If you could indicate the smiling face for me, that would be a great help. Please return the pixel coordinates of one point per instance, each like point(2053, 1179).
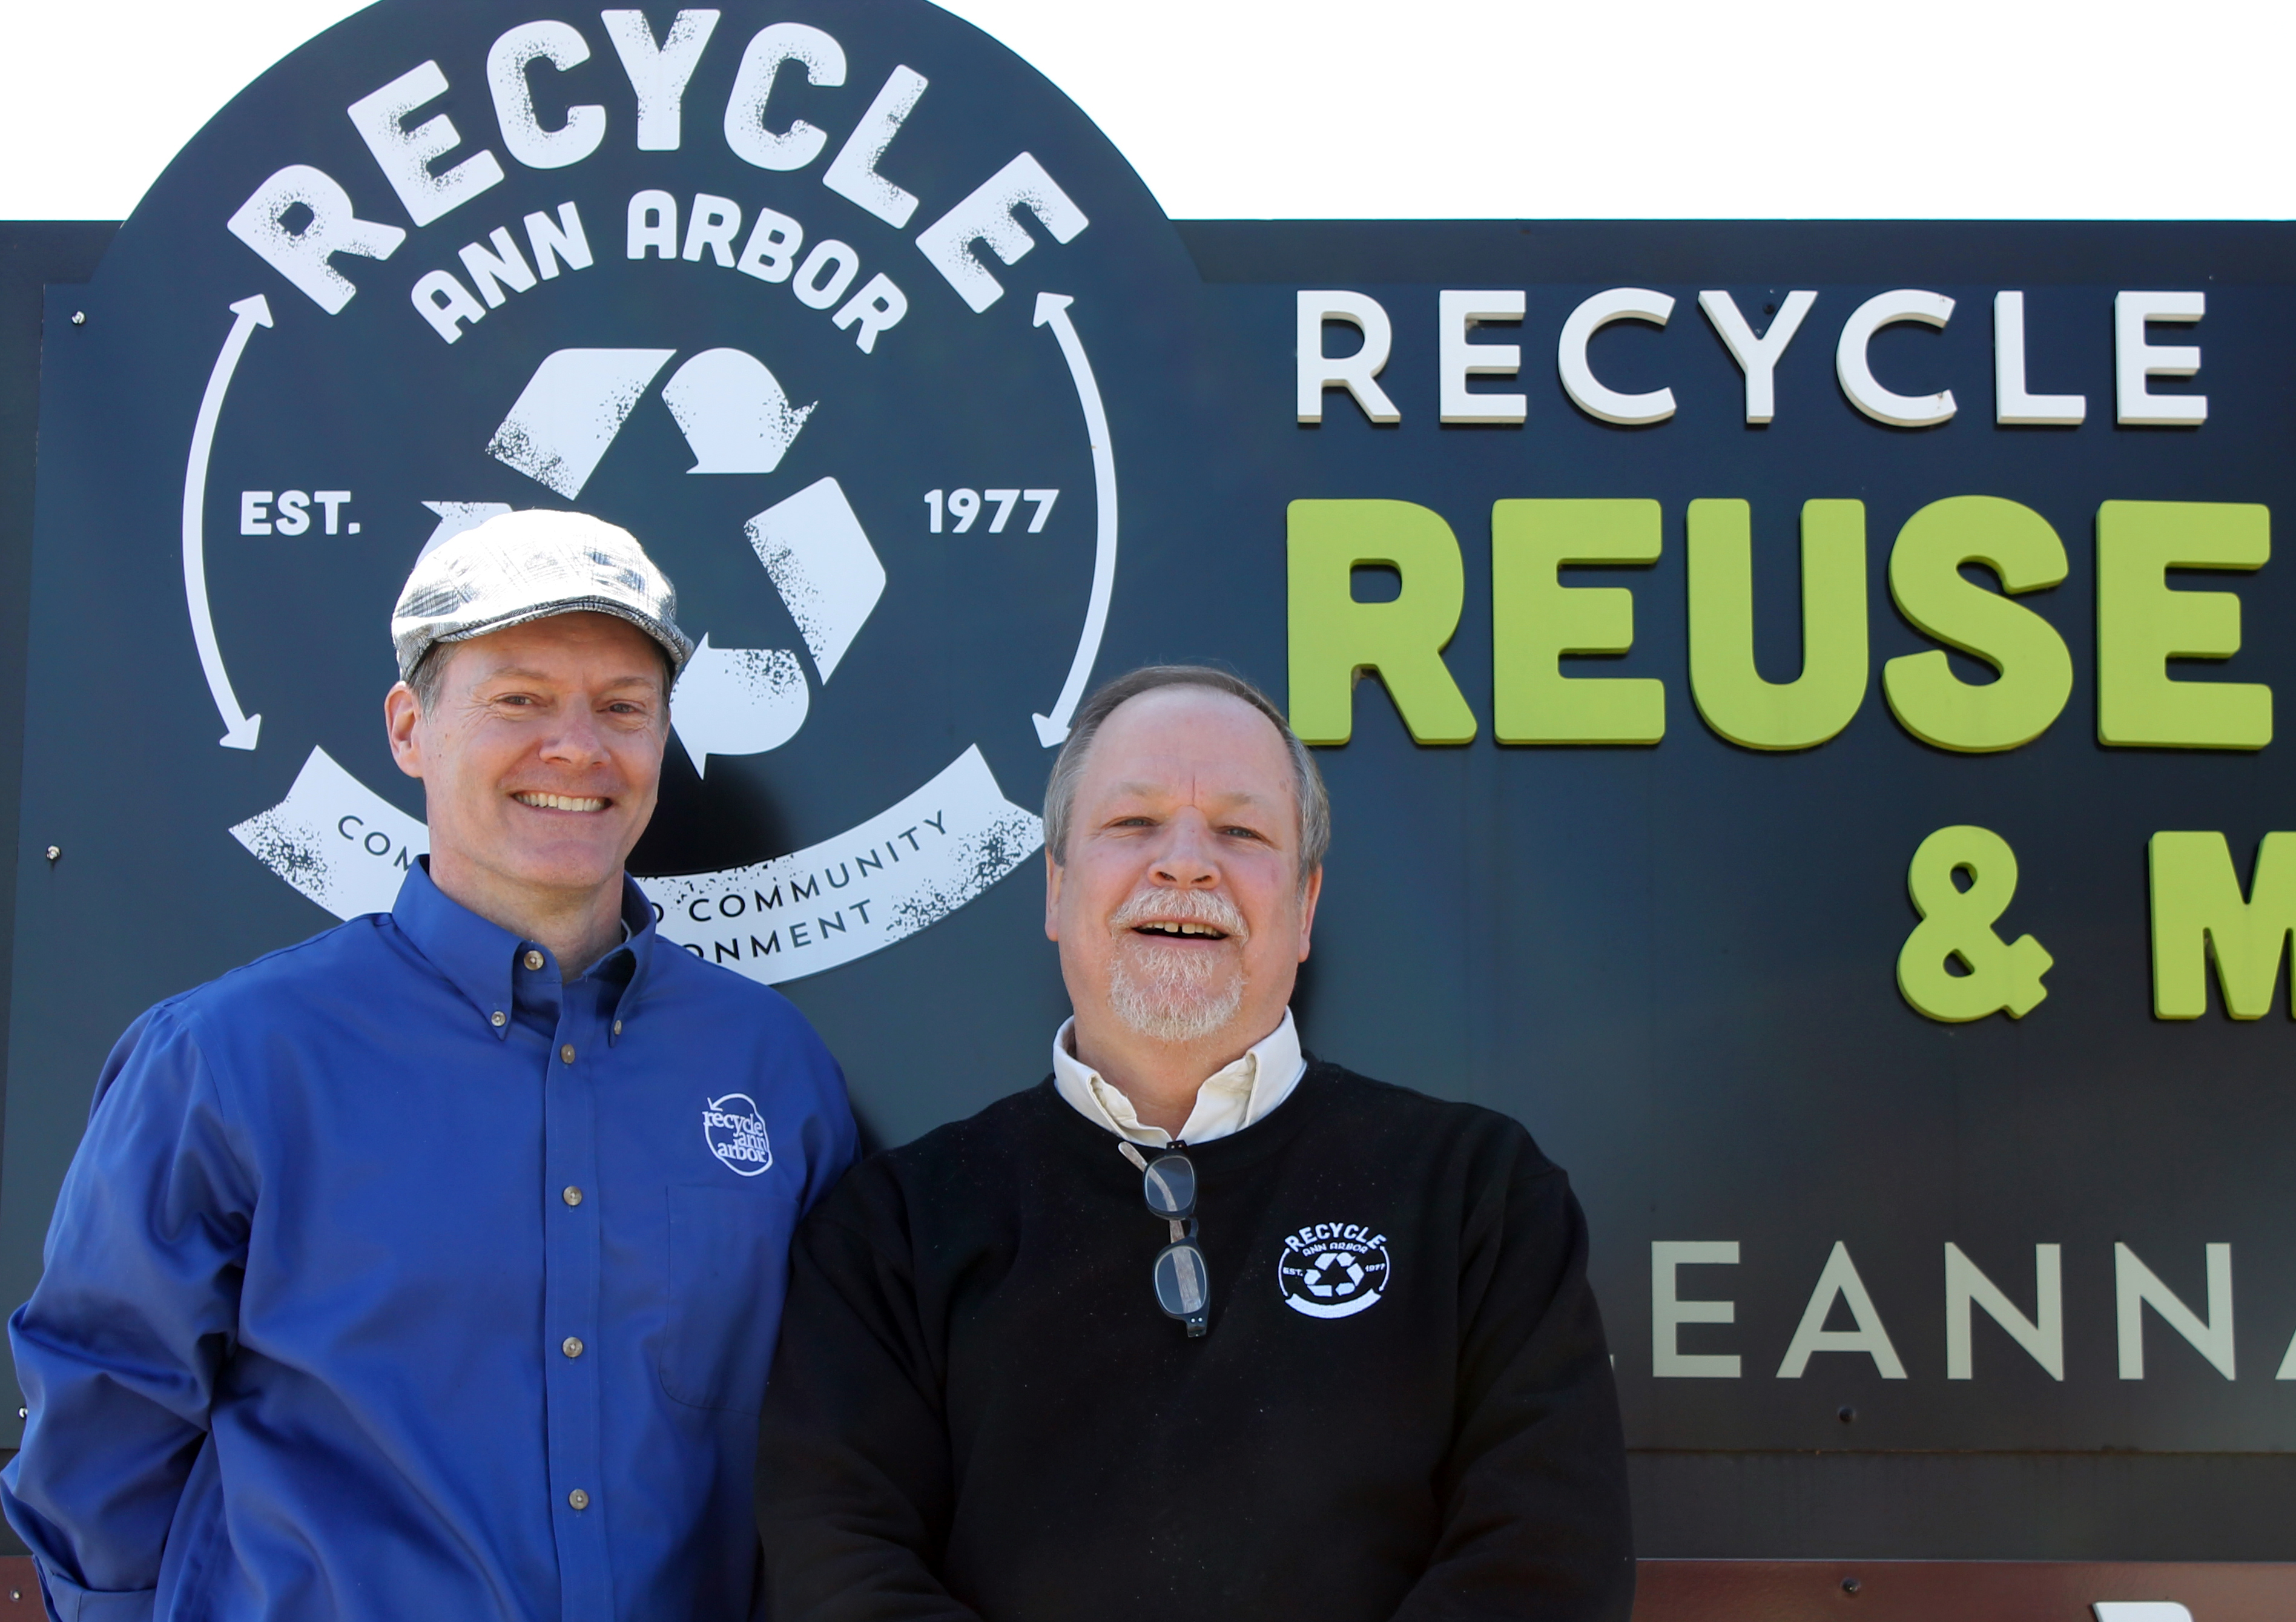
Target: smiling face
point(1178, 904)
point(540, 762)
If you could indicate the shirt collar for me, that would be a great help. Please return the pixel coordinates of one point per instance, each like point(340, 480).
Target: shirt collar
point(479, 957)
point(1230, 1099)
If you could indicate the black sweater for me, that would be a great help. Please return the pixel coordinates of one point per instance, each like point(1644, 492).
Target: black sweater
point(978, 1410)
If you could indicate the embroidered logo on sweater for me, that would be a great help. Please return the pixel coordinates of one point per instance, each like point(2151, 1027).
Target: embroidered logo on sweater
point(735, 1133)
point(1333, 1269)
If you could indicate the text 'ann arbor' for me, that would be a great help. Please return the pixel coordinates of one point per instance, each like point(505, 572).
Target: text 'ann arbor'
point(1841, 1319)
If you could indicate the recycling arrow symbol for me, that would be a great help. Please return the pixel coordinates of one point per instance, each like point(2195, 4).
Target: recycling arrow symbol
point(736, 418)
point(746, 701)
point(344, 847)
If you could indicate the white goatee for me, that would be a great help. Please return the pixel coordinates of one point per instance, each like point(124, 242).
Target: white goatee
point(1176, 993)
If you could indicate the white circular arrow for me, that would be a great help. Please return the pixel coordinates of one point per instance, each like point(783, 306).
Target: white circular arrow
point(239, 728)
point(1053, 310)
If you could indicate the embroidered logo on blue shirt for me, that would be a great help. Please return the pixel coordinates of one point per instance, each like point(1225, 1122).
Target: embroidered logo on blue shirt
point(735, 1133)
point(1333, 1269)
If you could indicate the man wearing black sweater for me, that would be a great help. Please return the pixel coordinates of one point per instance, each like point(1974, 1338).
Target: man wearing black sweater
point(1198, 1328)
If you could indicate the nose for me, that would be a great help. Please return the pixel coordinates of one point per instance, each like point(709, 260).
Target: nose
point(1187, 859)
point(575, 741)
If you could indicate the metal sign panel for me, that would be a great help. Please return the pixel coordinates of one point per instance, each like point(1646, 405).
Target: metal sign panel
point(1858, 1003)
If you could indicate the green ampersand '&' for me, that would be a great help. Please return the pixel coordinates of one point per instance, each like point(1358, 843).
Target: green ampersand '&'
point(1957, 923)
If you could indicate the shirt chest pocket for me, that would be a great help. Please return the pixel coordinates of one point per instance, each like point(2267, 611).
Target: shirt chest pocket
point(728, 1269)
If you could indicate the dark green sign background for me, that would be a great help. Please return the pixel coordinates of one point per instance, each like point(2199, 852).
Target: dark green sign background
point(1676, 963)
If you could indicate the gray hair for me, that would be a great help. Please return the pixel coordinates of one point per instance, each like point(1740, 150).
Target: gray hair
point(1307, 781)
point(429, 675)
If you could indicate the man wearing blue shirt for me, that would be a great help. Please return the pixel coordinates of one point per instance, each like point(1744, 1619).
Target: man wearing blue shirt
point(431, 1269)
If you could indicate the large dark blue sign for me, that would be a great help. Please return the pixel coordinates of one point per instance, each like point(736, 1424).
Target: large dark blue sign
point(1798, 700)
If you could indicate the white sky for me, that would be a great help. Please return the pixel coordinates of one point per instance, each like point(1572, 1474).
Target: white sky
point(1392, 108)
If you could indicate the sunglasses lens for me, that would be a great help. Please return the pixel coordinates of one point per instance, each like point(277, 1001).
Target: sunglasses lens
point(1170, 1185)
point(1183, 1287)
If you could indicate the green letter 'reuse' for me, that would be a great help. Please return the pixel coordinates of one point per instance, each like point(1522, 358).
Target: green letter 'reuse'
point(1927, 585)
point(2141, 625)
point(1537, 622)
point(1724, 682)
point(1334, 638)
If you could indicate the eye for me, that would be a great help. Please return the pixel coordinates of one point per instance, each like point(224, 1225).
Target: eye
point(1238, 832)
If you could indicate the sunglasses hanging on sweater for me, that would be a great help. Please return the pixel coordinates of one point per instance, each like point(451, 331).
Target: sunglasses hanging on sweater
point(1183, 1283)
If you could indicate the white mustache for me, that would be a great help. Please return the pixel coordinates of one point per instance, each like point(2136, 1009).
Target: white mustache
point(1180, 906)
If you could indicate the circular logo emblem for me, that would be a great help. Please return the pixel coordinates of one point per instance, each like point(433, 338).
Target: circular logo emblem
point(1333, 1269)
point(832, 306)
point(736, 1133)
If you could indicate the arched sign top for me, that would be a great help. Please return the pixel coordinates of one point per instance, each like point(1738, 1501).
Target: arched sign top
point(828, 306)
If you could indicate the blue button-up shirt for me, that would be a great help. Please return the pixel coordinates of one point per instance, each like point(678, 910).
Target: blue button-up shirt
point(398, 1278)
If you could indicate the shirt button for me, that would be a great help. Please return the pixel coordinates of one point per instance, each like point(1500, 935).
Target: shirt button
point(500, 1019)
point(566, 1052)
point(572, 1196)
point(534, 960)
point(579, 1499)
point(617, 1028)
point(571, 1346)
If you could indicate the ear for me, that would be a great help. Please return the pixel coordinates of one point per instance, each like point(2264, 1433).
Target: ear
point(401, 712)
point(1052, 896)
point(1313, 894)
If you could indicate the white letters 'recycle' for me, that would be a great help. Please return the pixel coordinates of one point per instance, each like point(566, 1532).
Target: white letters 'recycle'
point(743, 415)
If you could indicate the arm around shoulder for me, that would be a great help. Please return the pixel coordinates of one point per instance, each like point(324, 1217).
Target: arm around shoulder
point(854, 1484)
